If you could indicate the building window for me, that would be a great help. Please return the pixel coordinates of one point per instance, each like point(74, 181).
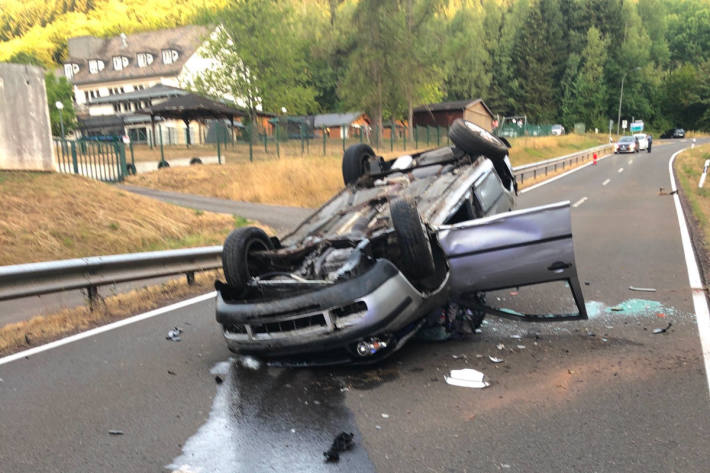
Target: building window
point(86, 95)
point(96, 66)
point(116, 107)
point(120, 63)
point(144, 59)
point(170, 56)
point(70, 70)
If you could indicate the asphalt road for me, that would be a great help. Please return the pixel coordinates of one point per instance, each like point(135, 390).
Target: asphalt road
point(604, 395)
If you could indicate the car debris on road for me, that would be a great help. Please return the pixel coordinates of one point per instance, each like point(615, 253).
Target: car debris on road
point(174, 334)
point(342, 443)
point(467, 378)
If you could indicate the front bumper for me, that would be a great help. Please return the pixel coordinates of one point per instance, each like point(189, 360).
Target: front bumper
point(379, 303)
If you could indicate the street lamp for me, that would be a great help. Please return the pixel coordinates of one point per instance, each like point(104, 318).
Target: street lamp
point(621, 95)
point(60, 107)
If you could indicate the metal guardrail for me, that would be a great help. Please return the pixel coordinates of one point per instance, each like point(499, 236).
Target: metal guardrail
point(542, 168)
point(35, 279)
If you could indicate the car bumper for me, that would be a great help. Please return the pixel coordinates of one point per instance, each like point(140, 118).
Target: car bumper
point(326, 325)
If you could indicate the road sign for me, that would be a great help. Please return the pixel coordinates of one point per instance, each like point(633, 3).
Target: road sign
point(637, 126)
point(623, 124)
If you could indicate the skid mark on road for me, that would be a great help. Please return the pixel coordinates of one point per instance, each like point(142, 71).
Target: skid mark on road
point(606, 182)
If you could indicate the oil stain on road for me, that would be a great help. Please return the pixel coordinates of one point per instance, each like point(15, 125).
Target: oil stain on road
point(272, 419)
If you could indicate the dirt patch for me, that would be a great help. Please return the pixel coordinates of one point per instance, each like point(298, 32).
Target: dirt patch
point(42, 329)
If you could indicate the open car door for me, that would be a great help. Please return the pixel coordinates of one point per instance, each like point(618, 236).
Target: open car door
point(530, 250)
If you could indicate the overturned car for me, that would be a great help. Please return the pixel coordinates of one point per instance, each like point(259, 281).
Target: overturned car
point(404, 242)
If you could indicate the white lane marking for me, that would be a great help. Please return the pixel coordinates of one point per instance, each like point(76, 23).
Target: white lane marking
point(606, 182)
point(620, 170)
point(579, 202)
point(106, 328)
point(700, 302)
point(553, 179)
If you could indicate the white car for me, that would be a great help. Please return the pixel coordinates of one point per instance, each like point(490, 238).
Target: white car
point(642, 140)
point(558, 130)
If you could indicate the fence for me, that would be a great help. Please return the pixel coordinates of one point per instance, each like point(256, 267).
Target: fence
point(101, 160)
point(511, 130)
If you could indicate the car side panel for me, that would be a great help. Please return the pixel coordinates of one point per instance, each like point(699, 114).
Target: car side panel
point(524, 247)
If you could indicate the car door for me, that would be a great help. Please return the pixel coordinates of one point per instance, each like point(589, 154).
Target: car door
point(523, 248)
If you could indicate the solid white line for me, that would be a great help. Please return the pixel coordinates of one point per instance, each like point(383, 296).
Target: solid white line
point(700, 302)
point(620, 170)
point(579, 202)
point(553, 179)
point(606, 182)
point(106, 328)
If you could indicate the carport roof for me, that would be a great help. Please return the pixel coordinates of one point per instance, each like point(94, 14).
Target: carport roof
point(155, 92)
point(193, 107)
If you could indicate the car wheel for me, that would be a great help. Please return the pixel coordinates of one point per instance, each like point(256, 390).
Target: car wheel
point(475, 140)
point(238, 255)
point(416, 256)
point(195, 161)
point(163, 164)
point(355, 162)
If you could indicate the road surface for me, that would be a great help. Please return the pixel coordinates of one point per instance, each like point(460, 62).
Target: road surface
point(604, 395)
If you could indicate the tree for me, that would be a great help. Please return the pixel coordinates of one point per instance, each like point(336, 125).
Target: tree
point(586, 101)
point(60, 90)
point(257, 59)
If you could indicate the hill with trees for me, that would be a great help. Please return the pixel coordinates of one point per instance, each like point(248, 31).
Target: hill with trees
point(557, 61)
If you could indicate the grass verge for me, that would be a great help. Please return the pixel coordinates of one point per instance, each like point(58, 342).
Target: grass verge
point(45, 328)
point(688, 169)
point(50, 216)
point(310, 181)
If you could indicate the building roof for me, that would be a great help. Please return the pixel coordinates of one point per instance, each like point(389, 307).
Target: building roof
point(105, 121)
point(193, 107)
point(451, 106)
point(335, 119)
point(155, 92)
point(185, 40)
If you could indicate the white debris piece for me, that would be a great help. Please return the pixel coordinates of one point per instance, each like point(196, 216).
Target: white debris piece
point(467, 378)
point(494, 359)
point(385, 416)
point(500, 346)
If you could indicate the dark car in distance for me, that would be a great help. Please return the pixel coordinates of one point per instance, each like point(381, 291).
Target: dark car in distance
point(674, 133)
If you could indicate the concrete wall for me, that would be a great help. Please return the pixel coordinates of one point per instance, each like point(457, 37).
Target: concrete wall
point(25, 133)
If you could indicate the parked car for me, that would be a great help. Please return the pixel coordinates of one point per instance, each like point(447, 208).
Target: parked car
point(674, 133)
point(642, 140)
point(405, 239)
point(627, 144)
point(557, 130)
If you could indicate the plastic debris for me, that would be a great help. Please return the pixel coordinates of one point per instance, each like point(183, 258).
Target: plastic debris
point(342, 443)
point(656, 331)
point(172, 373)
point(385, 416)
point(378, 427)
point(478, 330)
point(494, 359)
point(293, 431)
point(517, 337)
point(521, 347)
point(174, 334)
point(617, 309)
point(467, 378)
point(115, 432)
point(458, 357)
point(642, 289)
point(500, 346)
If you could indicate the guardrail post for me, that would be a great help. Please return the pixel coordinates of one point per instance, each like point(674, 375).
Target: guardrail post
point(324, 138)
point(190, 277)
point(92, 292)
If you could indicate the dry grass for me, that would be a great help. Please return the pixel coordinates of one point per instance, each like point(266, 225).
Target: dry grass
point(42, 329)
point(49, 216)
point(310, 181)
point(689, 167)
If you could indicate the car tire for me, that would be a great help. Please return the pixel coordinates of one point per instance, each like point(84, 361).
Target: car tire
point(475, 140)
point(163, 164)
point(416, 256)
point(238, 247)
point(195, 161)
point(355, 162)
